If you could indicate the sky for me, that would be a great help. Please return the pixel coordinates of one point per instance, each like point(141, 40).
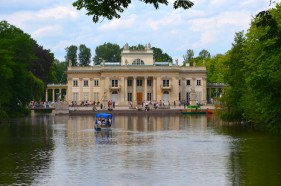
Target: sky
point(209, 25)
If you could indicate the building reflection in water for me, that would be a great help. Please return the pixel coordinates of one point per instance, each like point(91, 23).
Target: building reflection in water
point(80, 129)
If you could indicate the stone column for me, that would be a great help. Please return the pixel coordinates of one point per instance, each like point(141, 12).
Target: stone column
point(60, 93)
point(80, 90)
point(154, 89)
point(145, 88)
point(204, 90)
point(193, 95)
point(69, 90)
point(134, 90)
point(125, 89)
point(91, 90)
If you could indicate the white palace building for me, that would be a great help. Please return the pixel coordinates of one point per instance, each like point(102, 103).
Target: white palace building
point(136, 79)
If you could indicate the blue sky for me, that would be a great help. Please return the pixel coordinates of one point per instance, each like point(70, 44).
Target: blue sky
point(209, 24)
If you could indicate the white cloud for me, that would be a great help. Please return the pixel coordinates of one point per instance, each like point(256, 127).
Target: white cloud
point(47, 31)
point(22, 17)
point(116, 24)
point(213, 28)
point(209, 24)
point(60, 12)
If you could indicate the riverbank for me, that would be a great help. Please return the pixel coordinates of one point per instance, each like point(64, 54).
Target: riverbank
point(126, 110)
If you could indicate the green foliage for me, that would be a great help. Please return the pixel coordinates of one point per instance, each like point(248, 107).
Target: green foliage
point(235, 78)
point(159, 56)
point(253, 72)
point(108, 52)
point(112, 9)
point(204, 54)
point(41, 67)
point(263, 65)
point(22, 70)
point(71, 55)
point(187, 58)
point(216, 68)
point(59, 72)
point(137, 47)
point(84, 55)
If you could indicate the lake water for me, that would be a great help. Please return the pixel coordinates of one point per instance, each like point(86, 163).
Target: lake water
point(138, 150)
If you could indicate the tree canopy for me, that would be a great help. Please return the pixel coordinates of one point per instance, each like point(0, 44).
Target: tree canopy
point(25, 68)
point(108, 52)
point(111, 8)
point(71, 55)
point(253, 72)
point(84, 55)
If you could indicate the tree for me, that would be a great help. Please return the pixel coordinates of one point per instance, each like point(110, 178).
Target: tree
point(235, 78)
point(216, 68)
point(84, 55)
point(187, 58)
point(159, 56)
point(42, 66)
point(111, 8)
point(204, 54)
point(59, 71)
point(263, 68)
point(107, 52)
point(137, 47)
point(71, 55)
point(18, 85)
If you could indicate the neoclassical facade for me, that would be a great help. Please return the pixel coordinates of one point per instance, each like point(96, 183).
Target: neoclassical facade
point(135, 79)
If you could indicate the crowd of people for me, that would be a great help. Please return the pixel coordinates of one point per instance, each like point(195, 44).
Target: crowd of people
point(94, 104)
point(42, 104)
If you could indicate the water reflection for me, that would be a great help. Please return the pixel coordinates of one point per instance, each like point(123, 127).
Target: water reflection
point(137, 150)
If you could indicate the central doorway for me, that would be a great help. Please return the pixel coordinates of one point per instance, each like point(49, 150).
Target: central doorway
point(139, 98)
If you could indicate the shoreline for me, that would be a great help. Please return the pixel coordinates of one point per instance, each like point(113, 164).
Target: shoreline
point(127, 110)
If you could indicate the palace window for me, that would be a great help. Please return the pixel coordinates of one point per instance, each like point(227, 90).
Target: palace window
point(130, 82)
point(198, 82)
point(138, 62)
point(166, 83)
point(75, 83)
point(96, 83)
point(86, 83)
point(179, 96)
point(114, 83)
point(179, 82)
point(139, 82)
point(149, 82)
point(188, 82)
point(130, 96)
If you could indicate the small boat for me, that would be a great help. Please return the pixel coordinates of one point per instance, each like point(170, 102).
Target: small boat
point(103, 120)
point(194, 109)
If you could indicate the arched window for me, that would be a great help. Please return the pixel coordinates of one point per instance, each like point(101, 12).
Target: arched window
point(138, 62)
